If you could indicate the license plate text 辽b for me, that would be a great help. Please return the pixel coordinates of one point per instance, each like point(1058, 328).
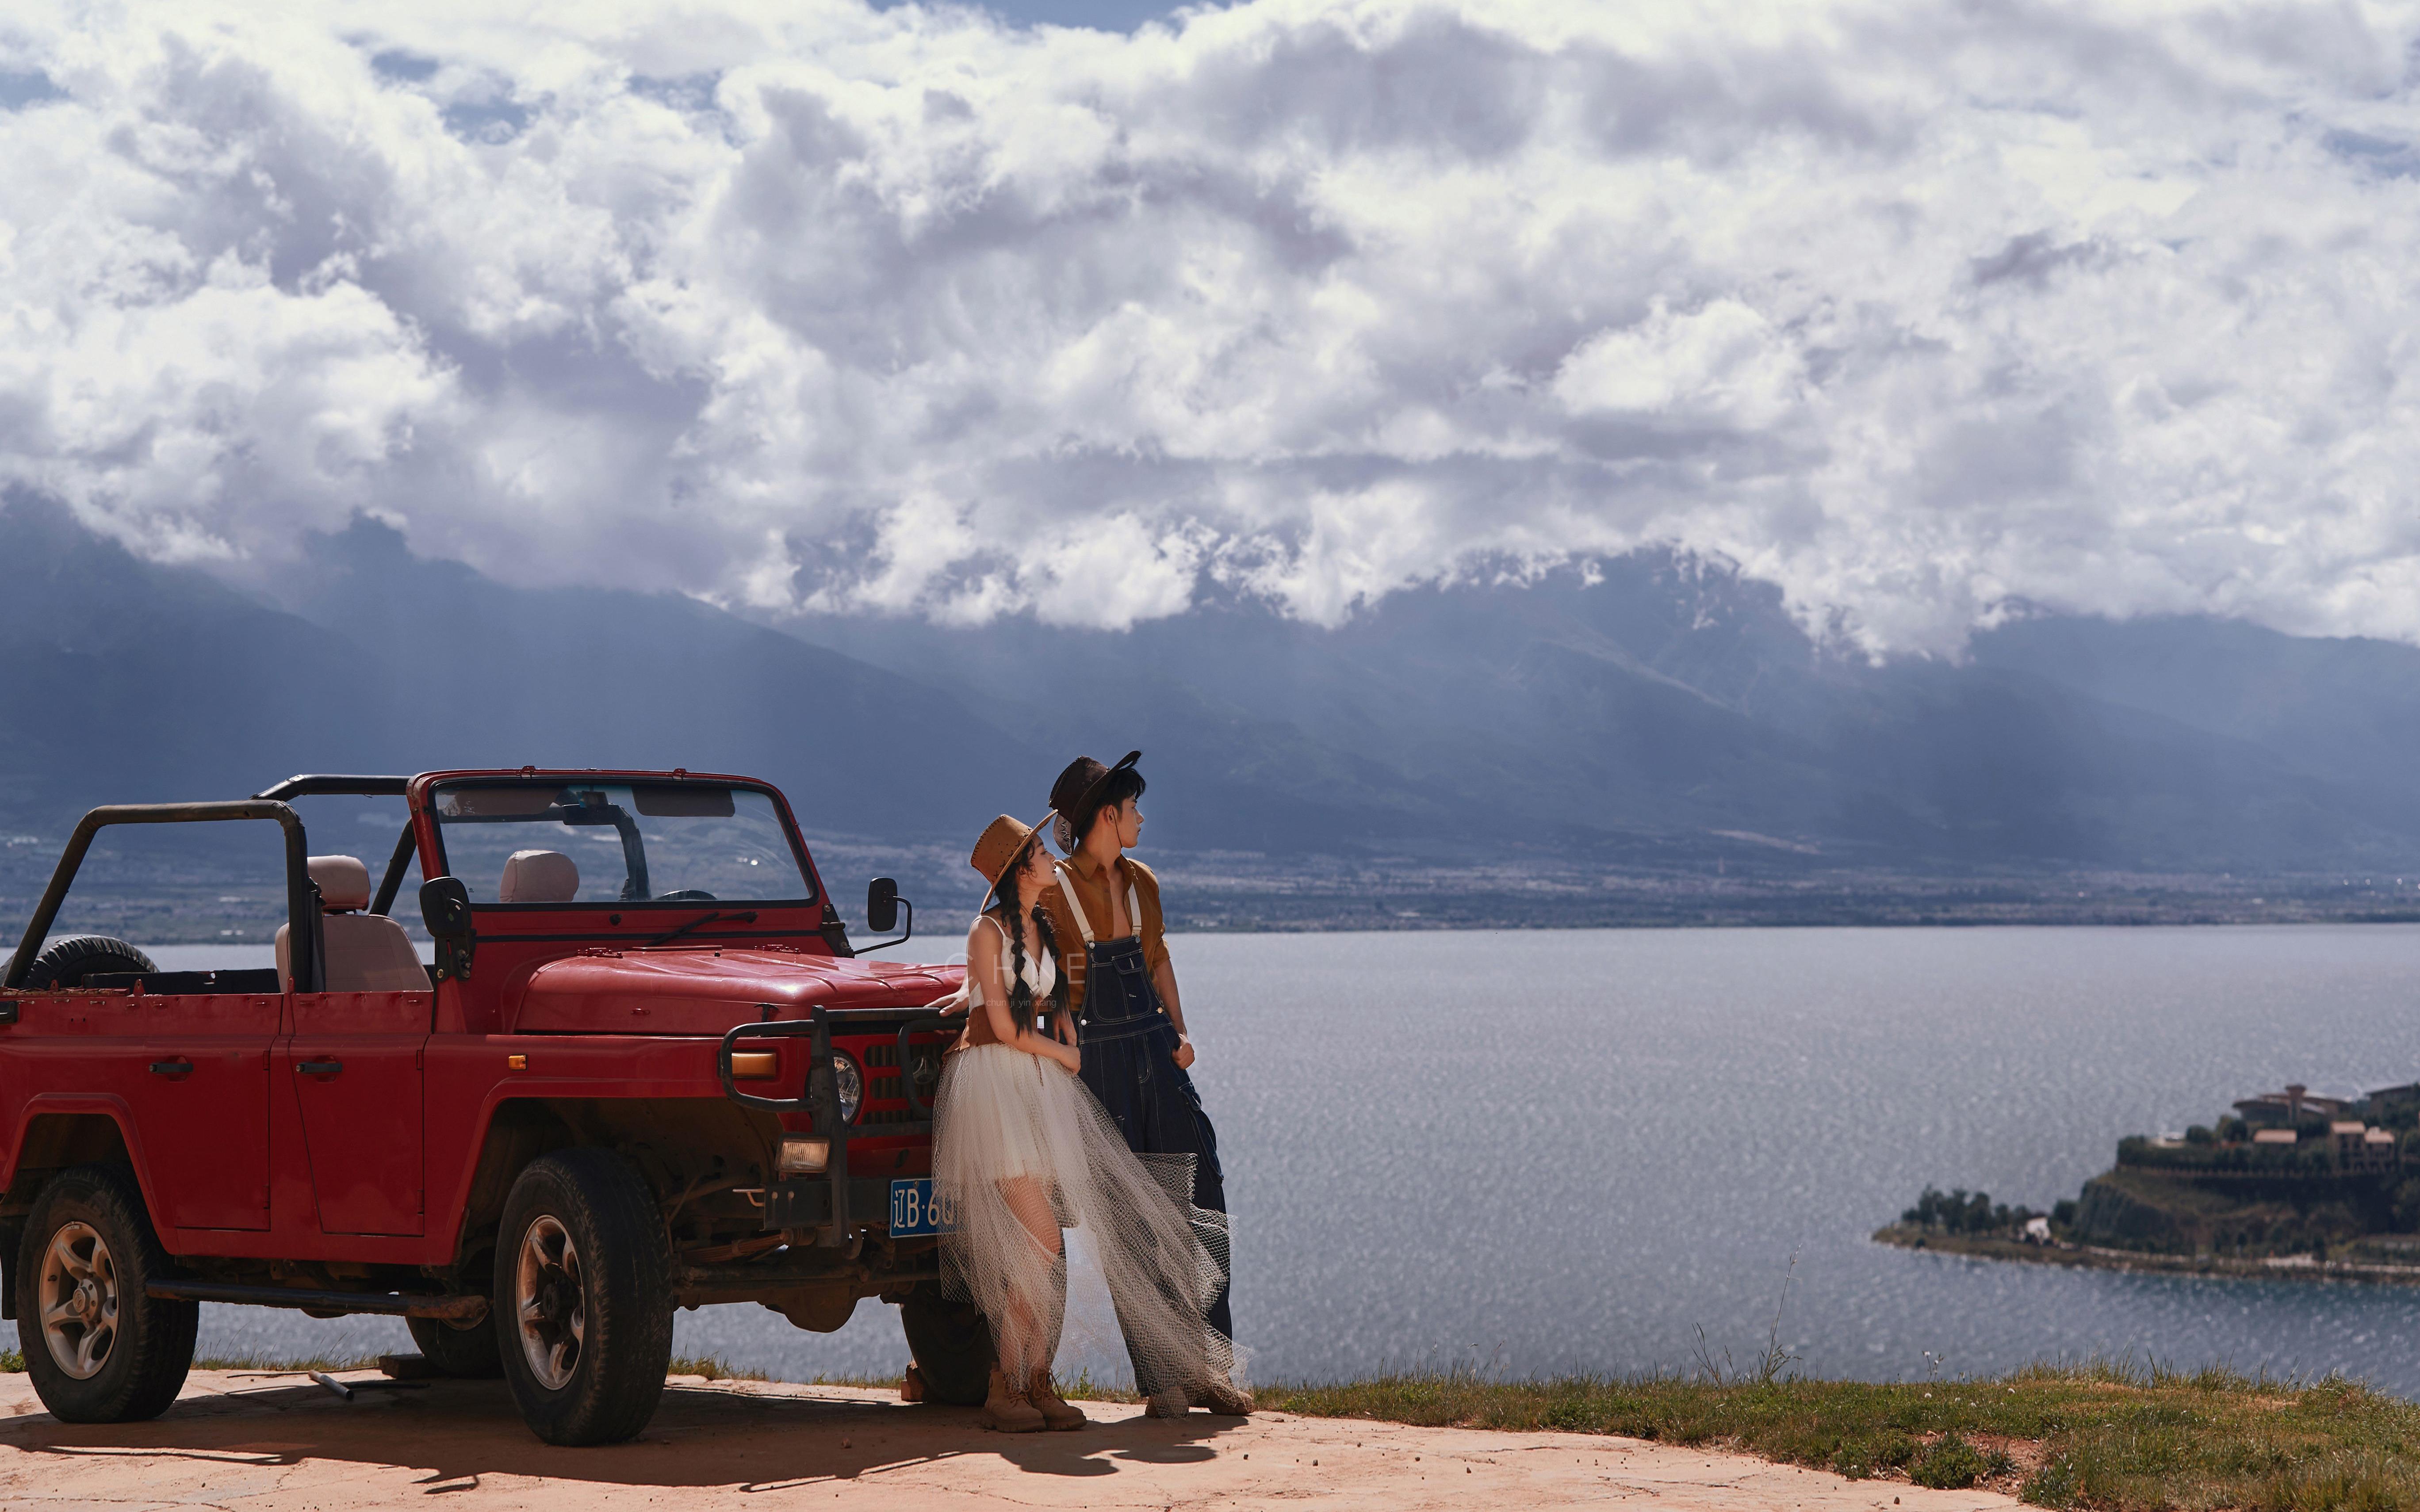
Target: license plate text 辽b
point(914, 1212)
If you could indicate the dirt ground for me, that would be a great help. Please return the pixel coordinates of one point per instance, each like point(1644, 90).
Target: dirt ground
point(281, 1444)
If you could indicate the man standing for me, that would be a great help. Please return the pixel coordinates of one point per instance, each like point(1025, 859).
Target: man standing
point(1113, 950)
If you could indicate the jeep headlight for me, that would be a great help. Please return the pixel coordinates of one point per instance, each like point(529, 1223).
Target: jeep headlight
point(849, 1084)
point(804, 1156)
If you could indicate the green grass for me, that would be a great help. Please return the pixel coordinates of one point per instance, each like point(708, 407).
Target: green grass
point(2098, 1435)
point(280, 1364)
point(712, 1368)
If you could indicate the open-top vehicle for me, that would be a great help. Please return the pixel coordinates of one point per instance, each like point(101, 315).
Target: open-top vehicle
point(646, 1071)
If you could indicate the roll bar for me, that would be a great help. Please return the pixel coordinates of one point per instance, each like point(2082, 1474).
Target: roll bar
point(306, 785)
point(302, 893)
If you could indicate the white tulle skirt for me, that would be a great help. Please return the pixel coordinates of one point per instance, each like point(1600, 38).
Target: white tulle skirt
point(1003, 1118)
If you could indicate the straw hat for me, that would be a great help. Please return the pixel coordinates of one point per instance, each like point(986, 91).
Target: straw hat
point(1075, 797)
point(999, 842)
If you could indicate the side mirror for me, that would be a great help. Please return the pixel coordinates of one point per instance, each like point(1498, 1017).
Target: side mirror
point(882, 905)
point(445, 912)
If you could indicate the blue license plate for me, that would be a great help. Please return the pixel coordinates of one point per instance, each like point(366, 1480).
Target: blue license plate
point(914, 1212)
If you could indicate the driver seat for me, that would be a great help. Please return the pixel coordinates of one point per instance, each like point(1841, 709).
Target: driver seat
point(367, 952)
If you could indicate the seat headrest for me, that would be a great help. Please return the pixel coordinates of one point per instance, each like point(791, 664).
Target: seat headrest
point(344, 882)
point(538, 877)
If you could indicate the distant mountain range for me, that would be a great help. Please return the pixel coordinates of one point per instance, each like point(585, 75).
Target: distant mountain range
point(1634, 711)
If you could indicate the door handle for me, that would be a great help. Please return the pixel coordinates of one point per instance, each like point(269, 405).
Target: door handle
point(171, 1068)
point(320, 1068)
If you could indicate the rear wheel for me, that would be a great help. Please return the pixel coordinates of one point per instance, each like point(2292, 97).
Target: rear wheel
point(66, 963)
point(98, 1348)
point(467, 1353)
point(951, 1344)
point(583, 1315)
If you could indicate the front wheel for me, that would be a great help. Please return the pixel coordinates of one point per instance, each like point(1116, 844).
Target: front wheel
point(99, 1349)
point(583, 1313)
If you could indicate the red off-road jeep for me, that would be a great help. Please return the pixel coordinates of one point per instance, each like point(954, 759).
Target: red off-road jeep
point(647, 1072)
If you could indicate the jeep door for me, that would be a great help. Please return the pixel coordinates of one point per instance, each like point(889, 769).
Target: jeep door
point(199, 1087)
point(354, 1066)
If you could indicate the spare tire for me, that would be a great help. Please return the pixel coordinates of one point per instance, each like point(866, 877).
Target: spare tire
point(67, 962)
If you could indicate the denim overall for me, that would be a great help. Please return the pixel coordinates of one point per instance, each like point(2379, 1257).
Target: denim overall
point(1130, 1048)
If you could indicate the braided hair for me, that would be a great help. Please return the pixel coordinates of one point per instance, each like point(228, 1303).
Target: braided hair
point(1003, 902)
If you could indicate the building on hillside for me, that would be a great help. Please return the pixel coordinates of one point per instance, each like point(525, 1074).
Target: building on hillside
point(2282, 1110)
point(2272, 1136)
point(2387, 1099)
point(2362, 1148)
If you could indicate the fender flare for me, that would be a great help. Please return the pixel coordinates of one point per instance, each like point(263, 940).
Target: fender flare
point(105, 1104)
point(68, 1105)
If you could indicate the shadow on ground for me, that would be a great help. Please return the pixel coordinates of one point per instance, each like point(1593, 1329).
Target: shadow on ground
point(458, 1432)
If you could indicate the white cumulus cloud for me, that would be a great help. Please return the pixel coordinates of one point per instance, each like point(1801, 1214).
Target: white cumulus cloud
point(1918, 311)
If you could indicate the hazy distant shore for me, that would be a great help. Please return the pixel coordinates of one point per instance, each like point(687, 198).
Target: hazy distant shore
point(158, 902)
point(1753, 882)
point(1507, 898)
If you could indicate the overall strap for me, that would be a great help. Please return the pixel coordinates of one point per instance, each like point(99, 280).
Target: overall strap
point(1075, 905)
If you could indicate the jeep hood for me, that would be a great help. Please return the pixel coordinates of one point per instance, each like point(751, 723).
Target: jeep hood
point(707, 991)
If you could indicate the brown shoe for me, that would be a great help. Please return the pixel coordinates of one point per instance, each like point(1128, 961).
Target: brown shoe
point(1167, 1404)
point(1007, 1410)
point(1222, 1396)
point(1055, 1414)
point(911, 1386)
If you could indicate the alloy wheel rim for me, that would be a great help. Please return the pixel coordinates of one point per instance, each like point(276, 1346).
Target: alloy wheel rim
point(550, 1302)
point(79, 1301)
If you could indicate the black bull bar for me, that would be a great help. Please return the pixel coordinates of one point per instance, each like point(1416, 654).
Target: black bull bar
point(830, 1218)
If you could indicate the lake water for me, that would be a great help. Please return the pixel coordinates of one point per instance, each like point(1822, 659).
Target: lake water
point(1548, 1152)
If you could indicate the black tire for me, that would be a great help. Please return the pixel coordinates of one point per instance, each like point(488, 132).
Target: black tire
point(137, 1348)
point(951, 1344)
point(601, 1318)
point(464, 1353)
point(67, 962)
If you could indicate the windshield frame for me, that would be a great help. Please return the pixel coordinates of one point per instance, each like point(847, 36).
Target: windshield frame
point(431, 789)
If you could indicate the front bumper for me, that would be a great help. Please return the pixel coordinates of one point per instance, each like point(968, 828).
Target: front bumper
point(806, 1202)
point(833, 1205)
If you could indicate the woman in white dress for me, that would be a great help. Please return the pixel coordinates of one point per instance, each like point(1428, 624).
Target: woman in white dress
point(1022, 1149)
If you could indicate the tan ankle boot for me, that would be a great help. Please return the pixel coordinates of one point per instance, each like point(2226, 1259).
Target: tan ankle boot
point(1055, 1414)
point(1007, 1410)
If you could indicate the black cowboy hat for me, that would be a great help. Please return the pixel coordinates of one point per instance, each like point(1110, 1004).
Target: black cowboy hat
point(1077, 796)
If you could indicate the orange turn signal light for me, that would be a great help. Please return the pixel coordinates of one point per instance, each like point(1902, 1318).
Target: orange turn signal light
point(756, 1065)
